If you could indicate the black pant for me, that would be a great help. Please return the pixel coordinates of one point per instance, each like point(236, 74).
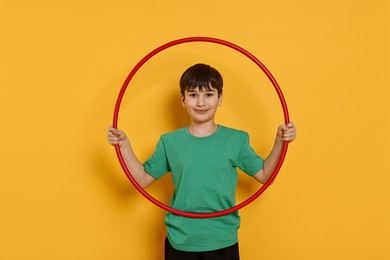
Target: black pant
point(227, 253)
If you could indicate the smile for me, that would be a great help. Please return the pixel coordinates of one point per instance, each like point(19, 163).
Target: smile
point(201, 111)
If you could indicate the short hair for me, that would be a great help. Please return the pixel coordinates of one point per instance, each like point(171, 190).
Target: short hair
point(203, 76)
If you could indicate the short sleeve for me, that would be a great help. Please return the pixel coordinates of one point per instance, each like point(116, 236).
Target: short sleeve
point(248, 160)
point(157, 165)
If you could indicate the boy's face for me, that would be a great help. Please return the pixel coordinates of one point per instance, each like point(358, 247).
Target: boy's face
point(201, 105)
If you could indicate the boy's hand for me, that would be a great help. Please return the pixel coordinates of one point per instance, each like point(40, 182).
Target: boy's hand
point(287, 132)
point(116, 136)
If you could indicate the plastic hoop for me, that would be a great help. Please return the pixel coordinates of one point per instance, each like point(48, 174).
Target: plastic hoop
point(282, 101)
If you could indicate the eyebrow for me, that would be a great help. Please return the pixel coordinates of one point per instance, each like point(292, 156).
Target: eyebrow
point(203, 90)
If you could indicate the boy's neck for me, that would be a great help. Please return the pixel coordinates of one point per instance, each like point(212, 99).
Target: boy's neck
point(202, 130)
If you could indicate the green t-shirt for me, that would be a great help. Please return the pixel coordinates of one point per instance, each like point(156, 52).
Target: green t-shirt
point(204, 174)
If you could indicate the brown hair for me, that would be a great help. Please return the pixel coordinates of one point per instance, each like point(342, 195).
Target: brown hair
point(203, 76)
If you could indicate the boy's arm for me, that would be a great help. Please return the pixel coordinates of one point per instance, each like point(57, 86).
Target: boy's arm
point(136, 168)
point(285, 133)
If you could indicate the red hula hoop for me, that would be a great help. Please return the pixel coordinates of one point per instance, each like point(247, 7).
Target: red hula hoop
point(282, 101)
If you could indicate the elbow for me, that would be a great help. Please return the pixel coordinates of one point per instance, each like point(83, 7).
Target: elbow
point(146, 180)
point(260, 177)
point(263, 177)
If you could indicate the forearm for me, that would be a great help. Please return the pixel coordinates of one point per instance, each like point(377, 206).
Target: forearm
point(272, 160)
point(135, 167)
point(285, 133)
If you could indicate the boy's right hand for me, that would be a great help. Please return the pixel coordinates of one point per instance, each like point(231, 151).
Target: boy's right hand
point(116, 136)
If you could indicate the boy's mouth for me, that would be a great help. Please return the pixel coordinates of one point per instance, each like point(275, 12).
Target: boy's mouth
point(201, 111)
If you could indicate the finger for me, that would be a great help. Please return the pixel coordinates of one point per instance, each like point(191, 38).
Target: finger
point(114, 131)
point(285, 129)
point(114, 141)
point(290, 125)
point(289, 137)
point(290, 130)
point(112, 135)
point(111, 131)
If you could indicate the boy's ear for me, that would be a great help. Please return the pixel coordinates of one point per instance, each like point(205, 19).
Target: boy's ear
point(182, 98)
point(220, 99)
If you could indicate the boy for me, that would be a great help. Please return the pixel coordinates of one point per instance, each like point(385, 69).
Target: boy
point(203, 158)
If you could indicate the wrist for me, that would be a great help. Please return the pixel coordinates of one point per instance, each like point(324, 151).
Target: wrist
point(125, 144)
point(279, 141)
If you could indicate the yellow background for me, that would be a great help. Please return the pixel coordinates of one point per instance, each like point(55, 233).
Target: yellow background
point(63, 194)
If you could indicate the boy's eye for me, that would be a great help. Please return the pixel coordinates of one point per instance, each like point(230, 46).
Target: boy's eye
point(192, 95)
point(210, 94)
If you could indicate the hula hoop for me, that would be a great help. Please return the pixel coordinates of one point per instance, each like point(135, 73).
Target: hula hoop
point(282, 101)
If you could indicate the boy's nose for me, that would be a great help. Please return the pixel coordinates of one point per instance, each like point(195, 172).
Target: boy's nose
point(200, 102)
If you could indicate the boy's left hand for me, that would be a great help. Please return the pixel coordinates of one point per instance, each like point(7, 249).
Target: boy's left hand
point(287, 132)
